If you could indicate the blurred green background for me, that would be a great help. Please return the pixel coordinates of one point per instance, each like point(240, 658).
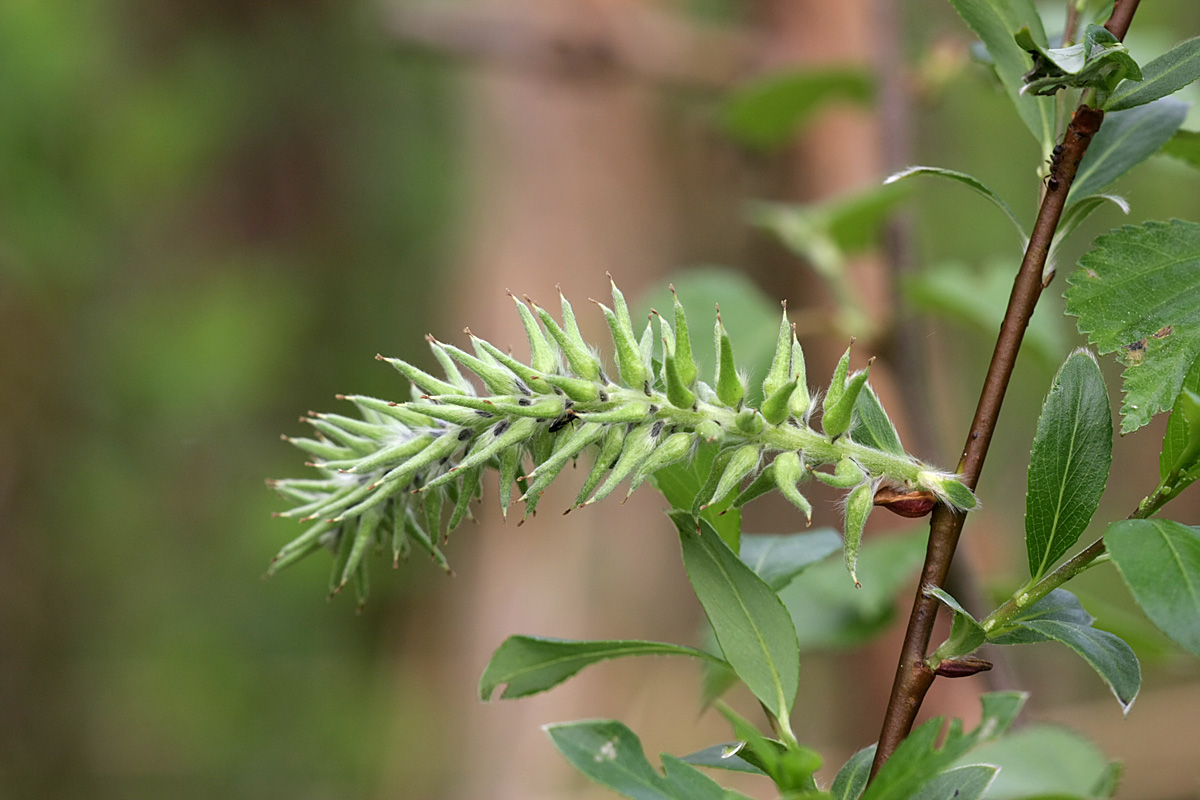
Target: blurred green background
point(212, 216)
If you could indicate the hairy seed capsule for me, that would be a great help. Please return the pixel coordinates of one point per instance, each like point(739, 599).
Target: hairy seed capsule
point(836, 419)
point(569, 340)
point(677, 392)
point(741, 464)
point(775, 407)
point(846, 474)
point(541, 356)
point(858, 508)
point(610, 448)
point(684, 360)
point(710, 431)
point(789, 469)
point(749, 421)
point(629, 356)
point(762, 484)
point(729, 386)
point(674, 448)
point(799, 402)
point(781, 365)
point(837, 384)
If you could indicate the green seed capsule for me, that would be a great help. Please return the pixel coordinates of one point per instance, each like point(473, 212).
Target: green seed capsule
point(359, 444)
point(684, 361)
point(781, 365)
point(510, 434)
point(710, 431)
point(837, 385)
point(789, 469)
point(466, 490)
point(361, 586)
point(386, 457)
point(546, 471)
point(677, 393)
point(510, 464)
point(531, 377)
point(858, 507)
point(458, 416)
point(541, 354)
point(761, 485)
point(305, 544)
point(799, 402)
point(704, 496)
point(453, 375)
point(344, 545)
point(629, 356)
point(667, 335)
point(442, 447)
point(357, 427)
point(431, 505)
point(395, 411)
point(400, 544)
point(610, 448)
point(749, 421)
point(323, 450)
point(569, 340)
point(646, 343)
point(836, 419)
point(741, 464)
point(729, 386)
point(776, 407)
point(497, 378)
point(629, 412)
point(639, 444)
point(423, 540)
point(367, 524)
point(846, 474)
point(577, 389)
point(422, 380)
point(675, 448)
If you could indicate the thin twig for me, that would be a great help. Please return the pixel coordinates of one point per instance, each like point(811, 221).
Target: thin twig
point(913, 676)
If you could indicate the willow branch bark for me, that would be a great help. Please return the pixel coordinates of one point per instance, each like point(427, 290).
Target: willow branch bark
point(913, 676)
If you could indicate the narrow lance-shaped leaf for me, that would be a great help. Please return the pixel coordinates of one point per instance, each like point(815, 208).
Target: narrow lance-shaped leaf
point(995, 22)
point(873, 426)
point(966, 634)
point(1137, 293)
point(526, 665)
point(1068, 467)
point(610, 754)
point(1163, 76)
point(1181, 443)
point(1160, 562)
point(779, 558)
point(1126, 139)
point(752, 626)
point(971, 182)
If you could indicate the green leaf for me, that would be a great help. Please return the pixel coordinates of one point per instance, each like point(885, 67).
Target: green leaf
point(872, 426)
point(1160, 562)
point(919, 759)
point(966, 634)
point(1178, 449)
point(995, 22)
point(778, 559)
point(1165, 75)
point(681, 482)
point(1126, 139)
point(1073, 216)
point(830, 613)
point(852, 777)
point(723, 756)
point(1041, 760)
point(1068, 467)
point(978, 298)
point(612, 755)
point(1060, 617)
point(752, 626)
point(529, 664)
point(768, 111)
point(961, 783)
point(1184, 145)
point(791, 767)
point(1100, 61)
point(1137, 293)
point(971, 182)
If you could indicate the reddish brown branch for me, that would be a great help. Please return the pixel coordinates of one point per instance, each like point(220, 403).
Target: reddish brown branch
point(913, 676)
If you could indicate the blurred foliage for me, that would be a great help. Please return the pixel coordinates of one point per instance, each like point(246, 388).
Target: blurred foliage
point(211, 215)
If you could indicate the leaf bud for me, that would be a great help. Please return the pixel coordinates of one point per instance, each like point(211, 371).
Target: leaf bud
point(910, 503)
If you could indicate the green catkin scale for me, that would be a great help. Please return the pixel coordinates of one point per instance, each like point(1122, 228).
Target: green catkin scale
point(388, 477)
